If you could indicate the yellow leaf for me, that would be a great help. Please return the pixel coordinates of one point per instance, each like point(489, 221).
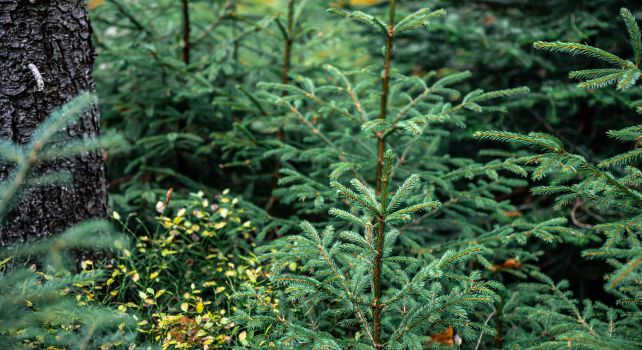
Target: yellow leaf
point(92, 5)
point(364, 2)
point(242, 335)
point(184, 307)
point(199, 307)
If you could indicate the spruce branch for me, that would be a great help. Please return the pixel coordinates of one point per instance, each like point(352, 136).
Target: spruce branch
point(592, 73)
point(353, 197)
point(499, 93)
point(339, 276)
point(29, 156)
point(418, 19)
point(581, 49)
point(346, 216)
point(628, 79)
point(402, 192)
point(634, 33)
point(533, 139)
point(628, 134)
point(350, 90)
point(601, 82)
point(622, 159)
point(385, 91)
point(361, 17)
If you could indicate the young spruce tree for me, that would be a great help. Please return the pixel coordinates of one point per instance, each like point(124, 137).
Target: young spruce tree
point(386, 280)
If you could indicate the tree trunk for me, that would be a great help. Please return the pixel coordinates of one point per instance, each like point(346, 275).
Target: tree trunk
point(50, 38)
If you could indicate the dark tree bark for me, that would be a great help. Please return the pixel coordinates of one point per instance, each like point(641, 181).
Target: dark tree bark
point(51, 38)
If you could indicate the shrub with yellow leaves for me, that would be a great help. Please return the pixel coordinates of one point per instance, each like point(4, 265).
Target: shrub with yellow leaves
point(179, 276)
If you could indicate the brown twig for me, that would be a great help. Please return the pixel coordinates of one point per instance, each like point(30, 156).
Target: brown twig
point(576, 222)
point(481, 334)
point(385, 90)
point(377, 307)
point(186, 32)
point(285, 78)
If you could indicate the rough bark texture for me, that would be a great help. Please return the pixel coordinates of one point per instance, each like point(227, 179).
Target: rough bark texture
point(55, 37)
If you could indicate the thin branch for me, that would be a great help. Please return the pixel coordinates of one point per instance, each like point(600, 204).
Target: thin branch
point(481, 334)
point(186, 31)
point(385, 91)
point(576, 222)
point(285, 79)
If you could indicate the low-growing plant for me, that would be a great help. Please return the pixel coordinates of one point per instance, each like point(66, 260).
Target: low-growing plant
point(179, 275)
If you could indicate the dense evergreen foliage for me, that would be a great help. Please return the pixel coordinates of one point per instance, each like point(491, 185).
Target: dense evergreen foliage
point(296, 174)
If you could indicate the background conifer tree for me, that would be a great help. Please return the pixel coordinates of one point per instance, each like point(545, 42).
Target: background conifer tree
point(609, 196)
